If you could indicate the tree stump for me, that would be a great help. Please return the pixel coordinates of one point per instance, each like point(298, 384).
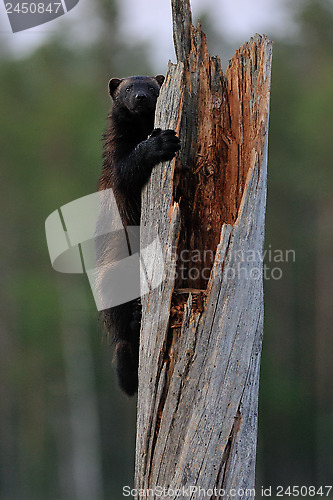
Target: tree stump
point(202, 327)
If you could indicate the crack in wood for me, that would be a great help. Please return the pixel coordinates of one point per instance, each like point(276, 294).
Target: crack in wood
point(168, 361)
point(226, 457)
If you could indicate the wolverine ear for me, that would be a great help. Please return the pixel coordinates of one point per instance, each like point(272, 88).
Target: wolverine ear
point(160, 79)
point(113, 85)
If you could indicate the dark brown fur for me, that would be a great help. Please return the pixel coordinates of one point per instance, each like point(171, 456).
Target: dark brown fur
point(131, 149)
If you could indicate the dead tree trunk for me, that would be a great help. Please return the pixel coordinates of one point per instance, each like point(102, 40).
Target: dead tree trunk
point(202, 327)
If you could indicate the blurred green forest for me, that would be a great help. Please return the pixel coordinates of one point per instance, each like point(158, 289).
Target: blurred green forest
point(66, 431)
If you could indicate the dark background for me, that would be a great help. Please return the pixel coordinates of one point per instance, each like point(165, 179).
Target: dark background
point(66, 431)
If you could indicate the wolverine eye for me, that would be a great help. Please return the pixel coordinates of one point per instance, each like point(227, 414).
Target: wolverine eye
point(152, 89)
point(128, 89)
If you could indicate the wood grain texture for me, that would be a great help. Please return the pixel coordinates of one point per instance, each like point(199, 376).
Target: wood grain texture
point(199, 373)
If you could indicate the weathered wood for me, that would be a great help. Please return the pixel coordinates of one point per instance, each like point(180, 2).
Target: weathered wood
point(182, 28)
point(201, 334)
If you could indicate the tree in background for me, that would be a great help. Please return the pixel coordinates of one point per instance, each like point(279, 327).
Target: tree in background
point(296, 383)
point(54, 104)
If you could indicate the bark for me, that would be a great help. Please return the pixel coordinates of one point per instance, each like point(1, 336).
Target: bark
point(202, 326)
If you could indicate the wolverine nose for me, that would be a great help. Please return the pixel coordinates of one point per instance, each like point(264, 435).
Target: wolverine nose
point(140, 96)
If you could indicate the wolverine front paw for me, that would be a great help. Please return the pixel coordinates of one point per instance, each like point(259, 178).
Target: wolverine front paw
point(165, 143)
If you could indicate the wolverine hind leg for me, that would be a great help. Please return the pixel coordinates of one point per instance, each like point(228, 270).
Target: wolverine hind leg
point(127, 360)
point(123, 323)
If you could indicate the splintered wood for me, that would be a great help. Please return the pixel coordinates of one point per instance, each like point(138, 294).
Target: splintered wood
point(202, 326)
